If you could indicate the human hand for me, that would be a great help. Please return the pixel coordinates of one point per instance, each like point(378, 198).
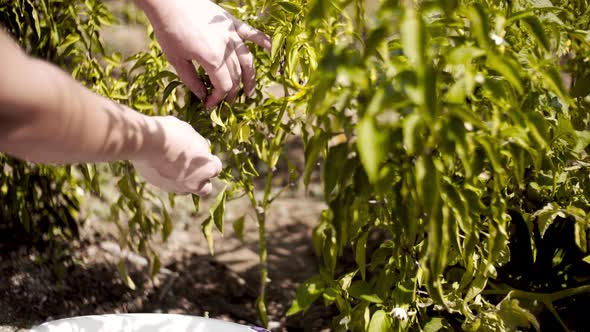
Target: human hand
point(182, 162)
point(200, 30)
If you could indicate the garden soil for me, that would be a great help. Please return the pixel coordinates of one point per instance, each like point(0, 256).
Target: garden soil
point(193, 282)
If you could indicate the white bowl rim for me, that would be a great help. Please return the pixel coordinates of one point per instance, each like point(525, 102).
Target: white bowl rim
point(156, 315)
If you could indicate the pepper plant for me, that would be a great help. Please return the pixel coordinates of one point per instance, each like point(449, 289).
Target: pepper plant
point(448, 137)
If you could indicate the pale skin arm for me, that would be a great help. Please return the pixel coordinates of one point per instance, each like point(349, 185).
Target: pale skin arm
point(47, 117)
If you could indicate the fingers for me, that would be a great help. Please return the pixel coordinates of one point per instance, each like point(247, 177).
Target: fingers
point(187, 73)
point(200, 182)
point(225, 81)
point(246, 60)
point(246, 32)
point(205, 189)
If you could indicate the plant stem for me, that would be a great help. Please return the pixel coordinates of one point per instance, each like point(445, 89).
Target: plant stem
point(262, 312)
point(544, 297)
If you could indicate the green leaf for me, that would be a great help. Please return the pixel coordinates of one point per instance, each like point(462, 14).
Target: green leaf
point(583, 141)
point(207, 229)
point(491, 153)
point(464, 54)
point(413, 36)
point(427, 183)
point(155, 266)
point(413, 134)
point(307, 294)
point(372, 146)
point(435, 324)
point(475, 288)
point(380, 322)
point(515, 316)
point(169, 88)
point(216, 119)
point(360, 317)
point(581, 236)
point(262, 311)
point(429, 92)
point(238, 226)
point(581, 87)
point(360, 253)
point(552, 79)
point(289, 7)
point(334, 167)
point(166, 225)
point(537, 126)
point(547, 215)
point(122, 268)
point(360, 289)
point(586, 259)
point(376, 38)
point(479, 23)
point(217, 210)
point(507, 68)
point(70, 40)
point(536, 28)
point(244, 133)
point(312, 153)
point(319, 11)
point(249, 169)
point(166, 74)
point(196, 201)
point(546, 7)
point(278, 42)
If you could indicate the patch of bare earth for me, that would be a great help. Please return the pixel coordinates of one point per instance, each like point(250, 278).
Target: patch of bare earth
point(193, 282)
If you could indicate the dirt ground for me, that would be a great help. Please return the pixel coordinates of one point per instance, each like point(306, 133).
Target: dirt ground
point(193, 282)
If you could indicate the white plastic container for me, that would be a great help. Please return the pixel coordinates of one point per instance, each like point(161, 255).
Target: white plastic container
point(142, 323)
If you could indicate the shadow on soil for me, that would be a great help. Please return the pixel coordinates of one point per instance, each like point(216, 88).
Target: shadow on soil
point(196, 285)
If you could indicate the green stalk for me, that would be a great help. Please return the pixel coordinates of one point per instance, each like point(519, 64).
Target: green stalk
point(263, 251)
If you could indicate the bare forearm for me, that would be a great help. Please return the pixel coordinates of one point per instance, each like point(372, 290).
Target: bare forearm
point(45, 116)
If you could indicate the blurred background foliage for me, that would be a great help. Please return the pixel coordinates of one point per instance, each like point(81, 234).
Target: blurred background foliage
point(452, 138)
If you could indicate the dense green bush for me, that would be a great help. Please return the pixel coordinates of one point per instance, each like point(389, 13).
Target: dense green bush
point(445, 126)
point(453, 155)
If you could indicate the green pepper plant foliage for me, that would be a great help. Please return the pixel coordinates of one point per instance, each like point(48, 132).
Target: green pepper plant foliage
point(454, 161)
point(451, 136)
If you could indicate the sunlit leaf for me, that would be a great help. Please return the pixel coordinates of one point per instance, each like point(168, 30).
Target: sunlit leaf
point(380, 322)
